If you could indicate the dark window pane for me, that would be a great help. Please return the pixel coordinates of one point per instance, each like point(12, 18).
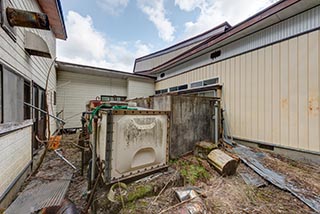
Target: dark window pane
point(211, 81)
point(26, 93)
point(196, 84)
point(182, 87)
point(174, 88)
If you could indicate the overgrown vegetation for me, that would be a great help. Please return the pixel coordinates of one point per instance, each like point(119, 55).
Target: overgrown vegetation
point(191, 170)
point(140, 192)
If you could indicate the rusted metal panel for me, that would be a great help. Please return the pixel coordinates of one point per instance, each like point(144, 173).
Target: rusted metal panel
point(45, 195)
point(28, 19)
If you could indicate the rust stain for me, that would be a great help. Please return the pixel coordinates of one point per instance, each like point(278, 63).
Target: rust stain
point(313, 106)
point(284, 103)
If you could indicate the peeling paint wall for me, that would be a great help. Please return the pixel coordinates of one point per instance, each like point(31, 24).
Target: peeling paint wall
point(271, 94)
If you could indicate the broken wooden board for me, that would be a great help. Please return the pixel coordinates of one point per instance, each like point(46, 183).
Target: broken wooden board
point(222, 162)
point(256, 161)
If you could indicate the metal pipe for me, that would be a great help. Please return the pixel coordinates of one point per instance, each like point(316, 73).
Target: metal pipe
point(63, 158)
point(216, 122)
point(94, 152)
point(39, 109)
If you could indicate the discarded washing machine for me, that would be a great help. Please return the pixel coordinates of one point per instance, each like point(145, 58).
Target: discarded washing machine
point(132, 143)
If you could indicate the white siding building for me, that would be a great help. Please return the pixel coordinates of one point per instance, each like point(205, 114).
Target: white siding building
point(269, 70)
point(78, 84)
point(23, 75)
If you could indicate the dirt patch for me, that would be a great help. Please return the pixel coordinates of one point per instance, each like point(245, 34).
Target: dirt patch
point(220, 194)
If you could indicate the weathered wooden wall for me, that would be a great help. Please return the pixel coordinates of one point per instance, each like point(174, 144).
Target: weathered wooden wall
point(191, 120)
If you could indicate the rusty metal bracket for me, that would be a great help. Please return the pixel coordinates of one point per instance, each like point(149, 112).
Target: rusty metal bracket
point(27, 19)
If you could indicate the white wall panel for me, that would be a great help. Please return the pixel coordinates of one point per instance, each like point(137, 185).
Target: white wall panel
point(15, 150)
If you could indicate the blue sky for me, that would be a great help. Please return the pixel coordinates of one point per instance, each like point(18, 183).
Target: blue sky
point(112, 33)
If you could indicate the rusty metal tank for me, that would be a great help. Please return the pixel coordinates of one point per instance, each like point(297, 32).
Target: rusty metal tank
point(132, 142)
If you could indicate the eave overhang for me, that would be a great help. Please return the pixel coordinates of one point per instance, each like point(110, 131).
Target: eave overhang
point(54, 12)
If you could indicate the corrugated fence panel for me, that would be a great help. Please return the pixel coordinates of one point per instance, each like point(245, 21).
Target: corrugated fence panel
point(272, 94)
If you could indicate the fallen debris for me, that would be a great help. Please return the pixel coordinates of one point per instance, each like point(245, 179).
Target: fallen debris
point(193, 203)
point(253, 179)
point(222, 162)
point(264, 165)
point(35, 198)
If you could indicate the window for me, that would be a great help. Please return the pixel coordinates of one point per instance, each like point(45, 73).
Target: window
point(174, 88)
point(196, 84)
point(182, 87)
point(164, 91)
point(158, 91)
point(12, 96)
point(211, 81)
point(107, 98)
point(54, 98)
point(27, 95)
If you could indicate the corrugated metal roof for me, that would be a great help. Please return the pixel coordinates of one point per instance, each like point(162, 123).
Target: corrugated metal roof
point(45, 195)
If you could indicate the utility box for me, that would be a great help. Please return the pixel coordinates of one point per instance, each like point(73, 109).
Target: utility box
point(132, 142)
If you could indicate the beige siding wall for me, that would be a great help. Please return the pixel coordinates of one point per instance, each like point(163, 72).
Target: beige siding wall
point(140, 88)
point(271, 94)
point(13, 55)
point(15, 154)
point(158, 60)
point(75, 90)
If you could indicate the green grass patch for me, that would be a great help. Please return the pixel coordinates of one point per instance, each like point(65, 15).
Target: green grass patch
point(191, 171)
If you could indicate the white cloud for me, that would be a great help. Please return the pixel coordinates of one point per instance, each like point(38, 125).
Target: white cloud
point(156, 14)
point(86, 45)
point(113, 7)
point(214, 12)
